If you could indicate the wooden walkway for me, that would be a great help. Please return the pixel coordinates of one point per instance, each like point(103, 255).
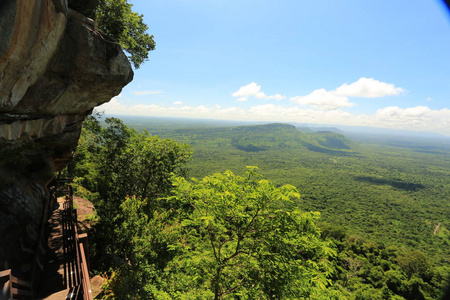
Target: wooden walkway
point(66, 273)
point(55, 271)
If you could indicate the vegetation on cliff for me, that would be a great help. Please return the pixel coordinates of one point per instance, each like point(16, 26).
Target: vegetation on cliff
point(116, 20)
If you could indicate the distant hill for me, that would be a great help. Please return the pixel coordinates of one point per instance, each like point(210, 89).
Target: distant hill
point(165, 126)
point(264, 137)
point(278, 136)
point(332, 140)
point(256, 138)
point(168, 123)
point(332, 129)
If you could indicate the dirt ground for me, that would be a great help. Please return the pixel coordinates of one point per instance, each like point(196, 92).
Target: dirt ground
point(86, 218)
point(86, 213)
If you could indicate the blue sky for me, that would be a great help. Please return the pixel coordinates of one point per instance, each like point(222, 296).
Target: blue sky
point(366, 63)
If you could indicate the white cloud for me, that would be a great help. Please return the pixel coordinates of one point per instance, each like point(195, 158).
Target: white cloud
point(249, 90)
point(112, 105)
point(254, 90)
point(277, 97)
point(141, 93)
point(396, 113)
point(322, 99)
point(368, 88)
point(178, 103)
point(336, 99)
point(429, 99)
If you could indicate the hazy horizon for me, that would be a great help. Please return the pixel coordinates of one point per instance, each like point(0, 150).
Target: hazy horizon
point(223, 122)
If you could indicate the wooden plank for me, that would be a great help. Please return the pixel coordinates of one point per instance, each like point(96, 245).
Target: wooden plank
point(83, 238)
point(87, 291)
point(19, 292)
point(5, 289)
point(5, 273)
point(20, 281)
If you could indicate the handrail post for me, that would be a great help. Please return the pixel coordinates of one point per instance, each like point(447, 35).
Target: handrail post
point(10, 285)
point(22, 288)
point(83, 238)
point(6, 289)
point(87, 291)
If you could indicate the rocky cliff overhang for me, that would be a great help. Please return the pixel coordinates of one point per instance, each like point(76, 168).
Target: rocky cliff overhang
point(55, 67)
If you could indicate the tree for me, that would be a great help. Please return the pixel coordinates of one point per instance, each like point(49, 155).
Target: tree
point(137, 163)
point(223, 237)
point(238, 242)
point(117, 20)
point(121, 161)
point(115, 162)
point(413, 263)
point(144, 238)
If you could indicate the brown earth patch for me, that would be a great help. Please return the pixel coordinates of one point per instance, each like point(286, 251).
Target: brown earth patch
point(86, 213)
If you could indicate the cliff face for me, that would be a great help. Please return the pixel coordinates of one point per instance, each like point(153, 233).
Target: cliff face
point(54, 68)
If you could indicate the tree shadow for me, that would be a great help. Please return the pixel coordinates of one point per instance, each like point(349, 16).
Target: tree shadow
point(314, 148)
point(395, 183)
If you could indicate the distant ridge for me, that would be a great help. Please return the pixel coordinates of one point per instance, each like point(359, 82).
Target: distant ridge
point(176, 122)
point(256, 138)
point(330, 129)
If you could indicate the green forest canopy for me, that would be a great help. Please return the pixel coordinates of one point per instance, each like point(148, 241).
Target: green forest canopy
point(231, 236)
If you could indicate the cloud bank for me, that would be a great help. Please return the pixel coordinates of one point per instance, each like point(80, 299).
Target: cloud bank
point(419, 118)
point(321, 99)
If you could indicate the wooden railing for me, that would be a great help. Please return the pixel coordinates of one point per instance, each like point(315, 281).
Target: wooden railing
point(14, 287)
point(83, 263)
point(78, 270)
